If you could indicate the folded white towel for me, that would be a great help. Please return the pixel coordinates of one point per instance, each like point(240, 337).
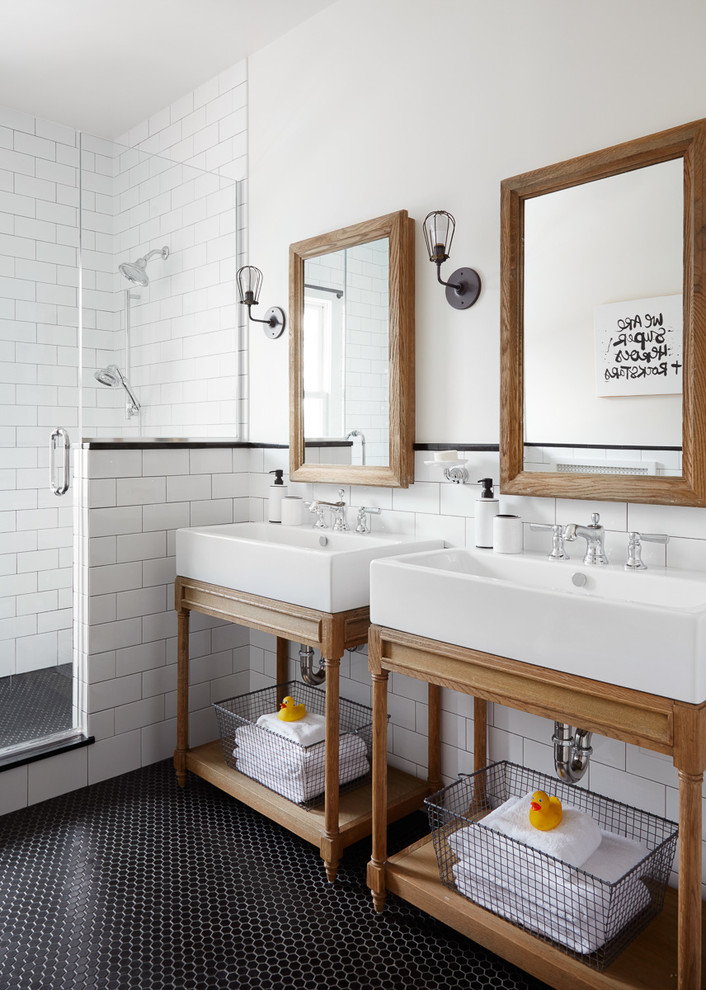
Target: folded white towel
point(306, 731)
point(576, 837)
point(549, 897)
point(615, 856)
point(294, 771)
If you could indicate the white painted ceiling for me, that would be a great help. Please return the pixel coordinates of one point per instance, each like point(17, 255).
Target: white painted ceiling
point(105, 65)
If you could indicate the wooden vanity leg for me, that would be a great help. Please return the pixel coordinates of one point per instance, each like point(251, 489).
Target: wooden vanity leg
point(480, 733)
point(376, 866)
point(182, 694)
point(282, 665)
point(434, 737)
point(690, 761)
point(331, 840)
point(689, 938)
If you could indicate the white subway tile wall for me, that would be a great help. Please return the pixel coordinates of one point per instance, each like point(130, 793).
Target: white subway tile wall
point(367, 349)
point(38, 385)
point(188, 350)
point(129, 630)
point(176, 339)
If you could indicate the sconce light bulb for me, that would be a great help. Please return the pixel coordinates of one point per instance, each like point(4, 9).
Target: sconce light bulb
point(440, 254)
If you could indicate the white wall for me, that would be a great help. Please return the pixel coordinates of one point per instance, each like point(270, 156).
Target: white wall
point(372, 107)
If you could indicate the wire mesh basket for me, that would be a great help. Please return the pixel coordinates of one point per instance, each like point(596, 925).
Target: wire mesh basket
point(292, 769)
point(590, 913)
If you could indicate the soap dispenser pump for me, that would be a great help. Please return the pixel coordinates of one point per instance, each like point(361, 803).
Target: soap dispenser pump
point(487, 508)
point(278, 490)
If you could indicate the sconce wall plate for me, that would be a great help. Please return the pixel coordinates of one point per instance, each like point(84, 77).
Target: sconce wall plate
point(274, 317)
point(469, 281)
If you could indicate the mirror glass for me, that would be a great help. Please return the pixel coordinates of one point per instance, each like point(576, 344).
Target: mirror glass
point(351, 358)
point(603, 324)
point(346, 351)
point(603, 355)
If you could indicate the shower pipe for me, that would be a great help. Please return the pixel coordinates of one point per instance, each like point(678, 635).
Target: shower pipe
point(338, 293)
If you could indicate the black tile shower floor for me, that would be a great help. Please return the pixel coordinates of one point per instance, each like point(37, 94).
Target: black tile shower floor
point(35, 704)
point(134, 883)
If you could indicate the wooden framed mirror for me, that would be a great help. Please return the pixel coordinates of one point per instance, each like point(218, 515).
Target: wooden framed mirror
point(351, 356)
point(603, 324)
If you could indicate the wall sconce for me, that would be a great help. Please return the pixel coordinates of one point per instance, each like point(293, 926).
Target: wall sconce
point(249, 281)
point(463, 288)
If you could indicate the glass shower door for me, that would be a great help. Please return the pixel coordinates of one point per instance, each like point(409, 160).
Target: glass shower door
point(39, 357)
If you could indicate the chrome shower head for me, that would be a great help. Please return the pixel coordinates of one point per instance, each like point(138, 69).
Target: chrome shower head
point(113, 377)
point(110, 376)
point(136, 272)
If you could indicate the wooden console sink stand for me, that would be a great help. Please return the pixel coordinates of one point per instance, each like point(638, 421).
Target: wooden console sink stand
point(667, 955)
point(345, 818)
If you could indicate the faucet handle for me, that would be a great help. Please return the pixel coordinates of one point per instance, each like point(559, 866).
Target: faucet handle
point(316, 506)
point(635, 540)
point(362, 512)
point(595, 519)
point(558, 537)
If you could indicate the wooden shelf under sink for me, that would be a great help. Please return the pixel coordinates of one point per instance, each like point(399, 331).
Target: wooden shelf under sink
point(648, 963)
point(405, 795)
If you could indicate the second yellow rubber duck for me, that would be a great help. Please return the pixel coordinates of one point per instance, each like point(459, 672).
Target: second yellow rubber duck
point(289, 711)
point(545, 812)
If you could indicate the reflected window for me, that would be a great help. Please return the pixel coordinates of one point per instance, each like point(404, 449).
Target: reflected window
point(324, 346)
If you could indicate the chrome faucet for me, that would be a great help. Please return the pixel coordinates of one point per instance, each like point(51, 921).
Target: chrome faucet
point(594, 535)
point(338, 512)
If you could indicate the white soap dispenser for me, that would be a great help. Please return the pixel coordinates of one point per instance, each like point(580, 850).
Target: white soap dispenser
point(278, 490)
point(487, 508)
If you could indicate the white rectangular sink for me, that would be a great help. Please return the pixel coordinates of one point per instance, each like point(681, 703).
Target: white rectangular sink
point(644, 630)
point(315, 568)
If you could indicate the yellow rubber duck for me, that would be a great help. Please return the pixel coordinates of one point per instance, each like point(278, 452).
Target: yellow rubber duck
point(289, 712)
point(545, 812)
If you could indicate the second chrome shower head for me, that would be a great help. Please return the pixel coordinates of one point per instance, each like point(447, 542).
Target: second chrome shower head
point(113, 377)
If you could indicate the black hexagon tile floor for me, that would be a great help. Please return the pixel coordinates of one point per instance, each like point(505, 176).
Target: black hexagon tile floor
point(134, 884)
point(35, 704)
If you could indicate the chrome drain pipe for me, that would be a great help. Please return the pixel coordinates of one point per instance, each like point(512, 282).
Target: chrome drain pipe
point(306, 666)
point(572, 752)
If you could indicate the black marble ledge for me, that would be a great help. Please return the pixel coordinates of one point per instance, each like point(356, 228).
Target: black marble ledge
point(171, 443)
point(457, 446)
point(166, 443)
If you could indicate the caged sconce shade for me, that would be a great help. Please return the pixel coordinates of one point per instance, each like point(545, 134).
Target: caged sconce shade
point(249, 281)
point(463, 288)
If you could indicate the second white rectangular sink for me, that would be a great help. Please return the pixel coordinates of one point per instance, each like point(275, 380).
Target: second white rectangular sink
point(315, 568)
point(644, 630)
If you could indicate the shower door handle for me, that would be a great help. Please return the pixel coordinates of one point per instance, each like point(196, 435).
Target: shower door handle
point(59, 467)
